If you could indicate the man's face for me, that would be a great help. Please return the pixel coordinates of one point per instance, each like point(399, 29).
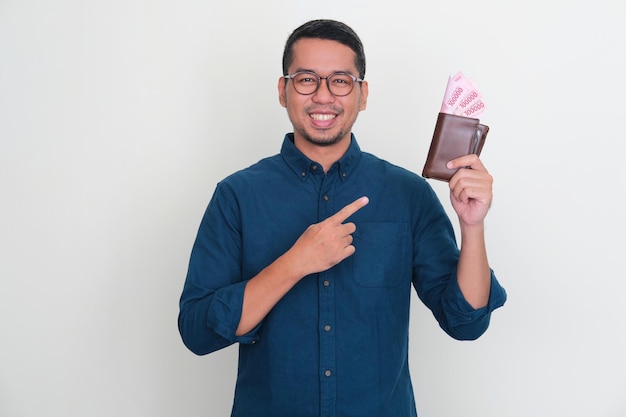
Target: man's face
point(321, 118)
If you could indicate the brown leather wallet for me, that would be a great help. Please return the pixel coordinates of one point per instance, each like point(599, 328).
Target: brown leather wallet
point(454, 136)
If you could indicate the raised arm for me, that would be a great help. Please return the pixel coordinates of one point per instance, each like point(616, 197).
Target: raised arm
point(471, 195)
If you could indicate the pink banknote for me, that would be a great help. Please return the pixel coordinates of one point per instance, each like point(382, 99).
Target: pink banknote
point(462, 97)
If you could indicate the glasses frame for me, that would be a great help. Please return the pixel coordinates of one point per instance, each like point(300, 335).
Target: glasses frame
point(319, 81)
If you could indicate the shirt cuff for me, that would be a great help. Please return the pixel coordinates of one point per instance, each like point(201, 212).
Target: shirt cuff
point(224, 314)
point(459, 312)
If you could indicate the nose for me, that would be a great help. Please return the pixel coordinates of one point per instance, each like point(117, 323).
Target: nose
point(323, 93)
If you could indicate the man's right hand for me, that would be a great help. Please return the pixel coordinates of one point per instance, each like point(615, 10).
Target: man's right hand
point(325, 244)
point(321, 246)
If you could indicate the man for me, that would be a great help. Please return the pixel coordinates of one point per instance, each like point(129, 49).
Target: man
point(307, 258)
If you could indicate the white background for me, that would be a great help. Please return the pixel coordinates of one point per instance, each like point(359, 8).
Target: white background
point(118, 117)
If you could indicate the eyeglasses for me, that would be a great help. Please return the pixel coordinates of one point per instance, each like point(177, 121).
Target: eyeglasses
point(307, 82)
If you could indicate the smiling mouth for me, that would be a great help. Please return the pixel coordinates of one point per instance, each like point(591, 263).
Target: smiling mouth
point(322, 117)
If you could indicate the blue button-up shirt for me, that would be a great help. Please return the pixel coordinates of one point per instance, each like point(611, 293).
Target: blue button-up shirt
point(337, 343)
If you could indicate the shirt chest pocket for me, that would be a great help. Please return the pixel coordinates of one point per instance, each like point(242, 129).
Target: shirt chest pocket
point(382, 257)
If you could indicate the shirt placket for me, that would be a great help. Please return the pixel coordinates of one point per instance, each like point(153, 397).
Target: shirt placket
point(326, 321)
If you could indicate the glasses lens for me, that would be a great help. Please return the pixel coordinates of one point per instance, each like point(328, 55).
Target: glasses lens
point(340, 84)
point(306, 82)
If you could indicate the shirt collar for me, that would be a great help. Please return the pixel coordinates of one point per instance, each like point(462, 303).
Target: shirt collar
point(301, 165)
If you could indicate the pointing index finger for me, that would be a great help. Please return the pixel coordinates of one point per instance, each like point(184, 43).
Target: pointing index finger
point(350, 209)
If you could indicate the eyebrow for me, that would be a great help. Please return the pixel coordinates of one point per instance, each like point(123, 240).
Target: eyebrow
point(301, 69)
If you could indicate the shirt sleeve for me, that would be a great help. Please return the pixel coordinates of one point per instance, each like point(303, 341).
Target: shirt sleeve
point(461, 320)
point(436, 256)
point(212, 297)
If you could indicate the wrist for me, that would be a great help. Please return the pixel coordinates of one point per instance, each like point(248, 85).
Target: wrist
point(471, 231)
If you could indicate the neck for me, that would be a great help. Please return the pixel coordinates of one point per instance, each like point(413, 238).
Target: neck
point(324, 155)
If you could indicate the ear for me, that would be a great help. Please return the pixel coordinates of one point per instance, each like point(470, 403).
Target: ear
point(282, 99)
point(364, 93)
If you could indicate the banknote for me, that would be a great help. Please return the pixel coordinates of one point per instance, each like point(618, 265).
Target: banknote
point(462, 98)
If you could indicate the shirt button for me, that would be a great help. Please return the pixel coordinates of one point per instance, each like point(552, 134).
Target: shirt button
point(328, 373)
point(314, 167)
point(326, 283)
point(326, 198)
point(327, 328)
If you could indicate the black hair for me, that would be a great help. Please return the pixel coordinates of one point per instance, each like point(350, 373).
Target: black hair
point(329, 30)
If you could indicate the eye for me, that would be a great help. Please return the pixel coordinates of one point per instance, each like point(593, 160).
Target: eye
point(306, 79)
point(341, 80)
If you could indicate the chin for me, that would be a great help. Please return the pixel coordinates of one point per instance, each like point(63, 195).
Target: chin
point(323, 141)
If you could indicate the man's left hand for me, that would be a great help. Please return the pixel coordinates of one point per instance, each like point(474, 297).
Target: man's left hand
point(470, 189)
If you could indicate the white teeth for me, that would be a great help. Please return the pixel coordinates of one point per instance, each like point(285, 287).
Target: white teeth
point(316, 116)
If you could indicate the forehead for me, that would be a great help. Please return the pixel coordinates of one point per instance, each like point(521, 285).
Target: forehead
point(322, 56)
